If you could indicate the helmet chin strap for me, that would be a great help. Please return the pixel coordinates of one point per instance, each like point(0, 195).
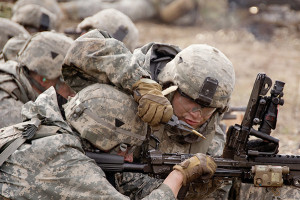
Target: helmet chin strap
point(33, 82)
point(58, 83)
point(37, 85)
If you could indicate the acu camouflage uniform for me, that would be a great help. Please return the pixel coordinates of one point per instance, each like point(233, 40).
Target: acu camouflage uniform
point(42, 53)
point(94, 58)
point(52, 165)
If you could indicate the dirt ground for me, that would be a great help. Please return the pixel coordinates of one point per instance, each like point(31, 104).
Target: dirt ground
point(278, 58)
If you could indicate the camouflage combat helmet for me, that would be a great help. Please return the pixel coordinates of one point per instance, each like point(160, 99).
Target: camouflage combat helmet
point(13, 46)
point(38, 17)
point(10, 29)
point(106, 117)
point(202, 73)
point(44, 53)
point(117, 24)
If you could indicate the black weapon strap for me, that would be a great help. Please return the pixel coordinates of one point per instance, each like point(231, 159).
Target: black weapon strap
point(11, 149)
point(61, 101)
point(28, 133)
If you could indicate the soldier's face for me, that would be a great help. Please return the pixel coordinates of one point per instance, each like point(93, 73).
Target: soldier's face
point(60, 86)
point(63, 89)
point(189, 111)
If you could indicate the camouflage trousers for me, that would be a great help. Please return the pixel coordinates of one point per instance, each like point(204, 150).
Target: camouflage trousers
point(244, 191)
point(137, 186)
point(236, 190)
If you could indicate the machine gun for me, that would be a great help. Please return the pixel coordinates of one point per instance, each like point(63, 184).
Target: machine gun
point(262, 168)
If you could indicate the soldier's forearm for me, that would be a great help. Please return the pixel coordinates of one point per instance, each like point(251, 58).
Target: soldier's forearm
point(174, 180)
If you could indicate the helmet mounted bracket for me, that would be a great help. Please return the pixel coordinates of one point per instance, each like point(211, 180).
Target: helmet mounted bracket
point(207, 91)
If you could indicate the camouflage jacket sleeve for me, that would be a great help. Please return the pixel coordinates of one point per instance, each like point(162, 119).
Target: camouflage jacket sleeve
point(162, 192)
point(97, 58)
point(136, 185)
point(102, 59)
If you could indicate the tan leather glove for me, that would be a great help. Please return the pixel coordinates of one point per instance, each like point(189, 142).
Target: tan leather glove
point(200, 165)
point(154, 107)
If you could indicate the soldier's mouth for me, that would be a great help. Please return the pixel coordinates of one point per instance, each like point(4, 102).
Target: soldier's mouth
point(192, 122)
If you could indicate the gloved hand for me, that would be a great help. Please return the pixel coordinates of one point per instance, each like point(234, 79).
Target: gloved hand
point(154, 107)
point(200, 165)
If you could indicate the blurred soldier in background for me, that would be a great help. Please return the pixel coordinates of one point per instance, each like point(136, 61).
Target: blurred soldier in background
point(271, 19)
point(10, 29)
point(37, 15)
point(168, 11)
point(50, 5)
point(265, 19)
point(38, 68)
point(203, 78)
point(35, 18)
point(118, 25)
point(13, 46)
point(55, 165)
point(33, 15)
